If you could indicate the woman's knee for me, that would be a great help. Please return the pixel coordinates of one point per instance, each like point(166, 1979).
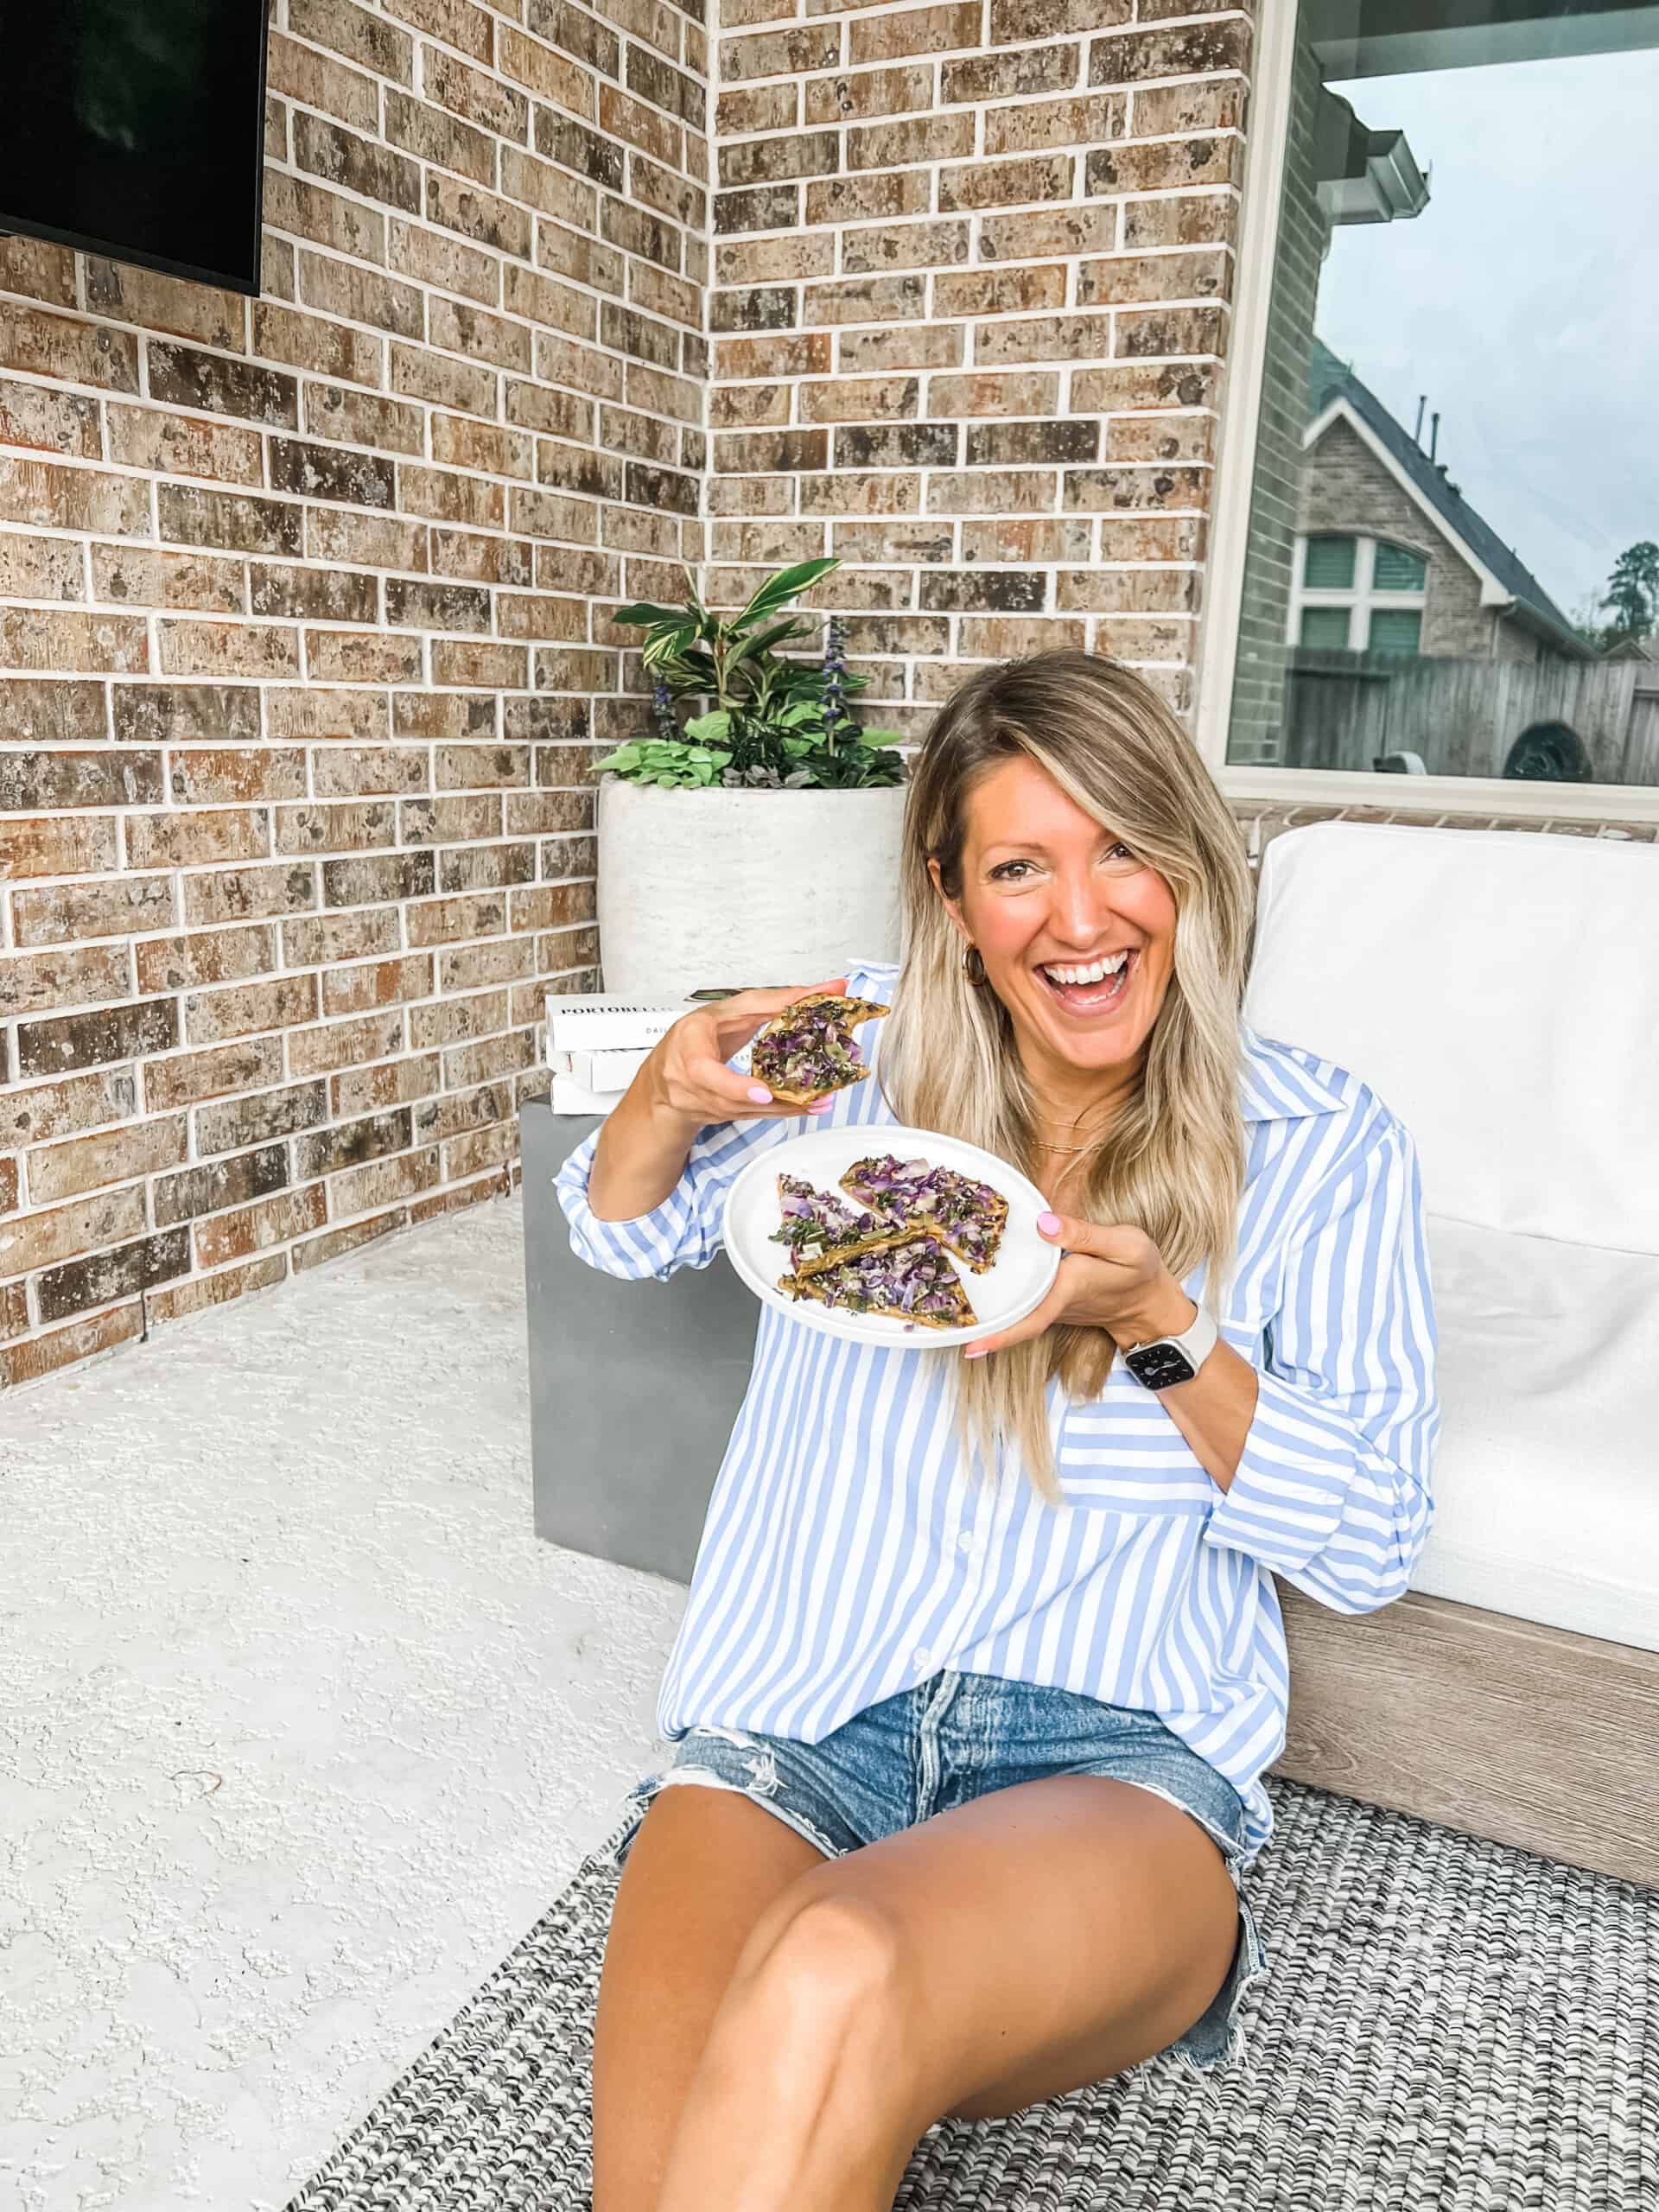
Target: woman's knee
point(823, 1975)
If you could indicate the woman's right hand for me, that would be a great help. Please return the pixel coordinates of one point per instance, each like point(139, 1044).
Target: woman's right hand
point(686, 1073)
point(646, 1140)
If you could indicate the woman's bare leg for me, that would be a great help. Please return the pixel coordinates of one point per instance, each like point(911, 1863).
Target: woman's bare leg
point(704, 1865)
point(1039, 1938)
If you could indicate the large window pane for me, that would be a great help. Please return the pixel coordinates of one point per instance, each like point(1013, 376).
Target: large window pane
point(1457, 469)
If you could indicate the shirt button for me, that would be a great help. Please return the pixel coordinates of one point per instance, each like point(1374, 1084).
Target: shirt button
point(967, 1542)
point(921, 1658)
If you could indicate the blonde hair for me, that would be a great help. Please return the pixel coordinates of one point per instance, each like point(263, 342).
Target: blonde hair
point(1172, 1161)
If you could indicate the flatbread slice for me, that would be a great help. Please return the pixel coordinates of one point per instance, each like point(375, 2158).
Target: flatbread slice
point(913, 1282)
point(804, 1053)
point(819, 1229)
point(968, 1217)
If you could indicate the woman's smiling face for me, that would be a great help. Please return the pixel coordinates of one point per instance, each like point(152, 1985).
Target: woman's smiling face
point(1045, 888)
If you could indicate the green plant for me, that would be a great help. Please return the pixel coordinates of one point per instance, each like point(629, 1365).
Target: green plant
point(1633, 592)
point(773, 721)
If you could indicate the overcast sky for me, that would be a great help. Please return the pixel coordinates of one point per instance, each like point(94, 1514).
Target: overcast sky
point(1524, 300)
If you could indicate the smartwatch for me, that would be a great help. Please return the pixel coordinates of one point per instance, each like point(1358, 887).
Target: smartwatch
point(1168, 1360)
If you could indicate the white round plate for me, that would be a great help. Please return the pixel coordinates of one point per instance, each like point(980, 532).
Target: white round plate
point(1016, 1281)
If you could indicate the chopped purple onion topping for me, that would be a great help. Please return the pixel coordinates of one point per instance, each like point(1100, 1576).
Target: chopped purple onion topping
point(815, 1220)
point(914, 1278)
point(811, 1051)
point(969, 1214)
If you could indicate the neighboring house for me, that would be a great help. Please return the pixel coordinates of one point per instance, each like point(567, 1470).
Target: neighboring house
point(1390, 558)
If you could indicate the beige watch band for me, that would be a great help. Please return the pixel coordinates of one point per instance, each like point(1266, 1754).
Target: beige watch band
point(1195, 1342)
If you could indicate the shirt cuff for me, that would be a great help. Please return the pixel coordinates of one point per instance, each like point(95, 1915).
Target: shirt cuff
point(647, 1246)
point(1285, 1503)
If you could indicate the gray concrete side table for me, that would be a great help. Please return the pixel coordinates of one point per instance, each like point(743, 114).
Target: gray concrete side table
point(633, 1386)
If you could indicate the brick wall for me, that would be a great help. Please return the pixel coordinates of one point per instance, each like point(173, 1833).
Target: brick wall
point(971, 268)
point(303, 637)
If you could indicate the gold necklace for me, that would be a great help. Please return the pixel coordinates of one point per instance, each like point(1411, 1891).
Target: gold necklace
point(1044, 1145)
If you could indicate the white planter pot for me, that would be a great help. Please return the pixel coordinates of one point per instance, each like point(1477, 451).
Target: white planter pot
point(704, 888)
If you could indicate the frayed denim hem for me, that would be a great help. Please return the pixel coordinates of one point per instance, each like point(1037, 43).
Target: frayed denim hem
point(1251, 1965)
point(614, 1850)
point(1254, 1964)
point(1228, 1845)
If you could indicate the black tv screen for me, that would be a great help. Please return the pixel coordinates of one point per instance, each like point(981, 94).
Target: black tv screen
point(135, 128)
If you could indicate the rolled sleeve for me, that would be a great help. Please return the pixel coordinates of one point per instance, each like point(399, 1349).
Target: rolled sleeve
point(683, 1230)
point(1333, 1489)
point(651, 1245)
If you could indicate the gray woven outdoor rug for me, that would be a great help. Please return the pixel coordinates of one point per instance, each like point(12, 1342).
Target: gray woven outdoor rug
point(1446, 2024)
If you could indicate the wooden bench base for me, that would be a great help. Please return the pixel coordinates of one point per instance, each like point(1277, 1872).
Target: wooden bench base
point(1531, 1736)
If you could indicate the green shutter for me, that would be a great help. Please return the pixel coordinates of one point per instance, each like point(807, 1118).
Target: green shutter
point(1397, 570)
point(1396, 630)
point(1326, 626)
point(1330, 564)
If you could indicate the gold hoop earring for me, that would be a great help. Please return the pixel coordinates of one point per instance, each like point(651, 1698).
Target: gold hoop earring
point(973, 966)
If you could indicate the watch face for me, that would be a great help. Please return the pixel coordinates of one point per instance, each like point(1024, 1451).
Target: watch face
point(1158, 1365)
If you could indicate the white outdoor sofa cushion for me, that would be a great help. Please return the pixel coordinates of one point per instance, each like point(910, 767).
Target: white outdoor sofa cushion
point(1499, 991)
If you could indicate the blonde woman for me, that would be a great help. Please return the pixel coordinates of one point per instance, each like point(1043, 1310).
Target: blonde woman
point(983, 1661)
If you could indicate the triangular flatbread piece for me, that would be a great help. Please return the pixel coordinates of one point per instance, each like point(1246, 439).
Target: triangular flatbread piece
point(820, 1230)
point(913, 1282)
point(968, 1217)
point(804, 1053)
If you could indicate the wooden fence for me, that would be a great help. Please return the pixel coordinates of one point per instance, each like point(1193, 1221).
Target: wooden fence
point(1343, 710)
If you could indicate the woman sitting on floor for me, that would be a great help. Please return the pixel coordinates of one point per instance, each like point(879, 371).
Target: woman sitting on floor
point(983, 1662)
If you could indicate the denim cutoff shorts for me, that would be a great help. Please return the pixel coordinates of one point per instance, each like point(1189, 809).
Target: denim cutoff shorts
point(953, 1737)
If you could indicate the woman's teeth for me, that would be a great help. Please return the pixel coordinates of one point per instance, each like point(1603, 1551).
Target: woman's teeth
point(1096, 972)
point(1101, 983)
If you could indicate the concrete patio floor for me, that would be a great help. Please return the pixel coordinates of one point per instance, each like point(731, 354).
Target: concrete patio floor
point(302, 1726)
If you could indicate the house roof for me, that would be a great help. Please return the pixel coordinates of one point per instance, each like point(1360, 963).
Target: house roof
point(1330, 381)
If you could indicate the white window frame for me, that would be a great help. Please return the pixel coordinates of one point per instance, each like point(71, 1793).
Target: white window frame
point(1360, 597)
point(1217, 646)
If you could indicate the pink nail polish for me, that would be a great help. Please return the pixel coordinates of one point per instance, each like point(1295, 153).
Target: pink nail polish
point(1048, 1223)
point(760, 1095)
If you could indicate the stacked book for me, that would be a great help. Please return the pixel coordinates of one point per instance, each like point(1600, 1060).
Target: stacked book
point(595, 1047)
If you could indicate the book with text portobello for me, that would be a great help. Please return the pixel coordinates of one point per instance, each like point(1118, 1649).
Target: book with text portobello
point(607, 1020)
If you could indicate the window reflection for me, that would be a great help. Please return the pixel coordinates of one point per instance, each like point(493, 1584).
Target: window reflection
point(1359, 595)
point(1452, 566)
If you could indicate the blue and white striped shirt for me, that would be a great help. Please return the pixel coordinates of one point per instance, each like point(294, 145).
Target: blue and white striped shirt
point(847, 1556)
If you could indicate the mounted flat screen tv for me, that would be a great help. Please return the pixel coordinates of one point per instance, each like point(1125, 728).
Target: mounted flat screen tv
point(135, 128)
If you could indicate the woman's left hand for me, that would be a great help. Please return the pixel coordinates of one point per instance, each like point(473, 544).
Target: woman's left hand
point(1113, 1279)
